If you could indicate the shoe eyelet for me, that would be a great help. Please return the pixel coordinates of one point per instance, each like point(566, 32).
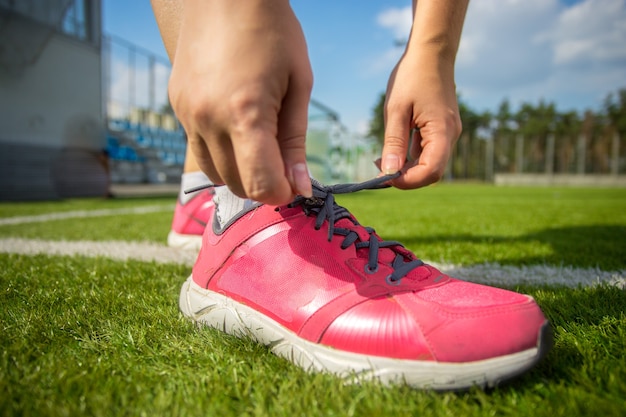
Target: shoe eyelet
point(392, 282)
point(369, 270)
point(277, 209)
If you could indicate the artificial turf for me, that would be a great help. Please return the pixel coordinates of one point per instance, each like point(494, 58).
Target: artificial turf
point(93, 336)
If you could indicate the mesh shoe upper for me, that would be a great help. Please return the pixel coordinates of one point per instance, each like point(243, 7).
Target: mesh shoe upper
point(192, 217)
point(311, 267)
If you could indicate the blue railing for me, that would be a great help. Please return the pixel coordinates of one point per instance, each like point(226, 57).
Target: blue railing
point(170, 145)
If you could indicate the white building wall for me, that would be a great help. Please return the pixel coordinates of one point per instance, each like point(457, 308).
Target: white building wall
point(58, 101)
point(51, 107)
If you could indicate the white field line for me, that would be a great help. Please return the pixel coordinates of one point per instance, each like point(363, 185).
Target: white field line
point(488, 273)
point(116, 250)
point(85, 213)
point(567, 276)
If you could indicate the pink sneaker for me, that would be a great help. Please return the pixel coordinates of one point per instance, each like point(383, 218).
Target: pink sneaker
point(190, 220)
point(330, 295)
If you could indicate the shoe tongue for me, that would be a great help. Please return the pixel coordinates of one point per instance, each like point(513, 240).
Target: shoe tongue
point(316, 184)
point(385, 255)
point(346, 223)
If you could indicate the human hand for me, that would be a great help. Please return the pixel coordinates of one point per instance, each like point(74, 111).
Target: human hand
point(240, 85)
point(420, 94)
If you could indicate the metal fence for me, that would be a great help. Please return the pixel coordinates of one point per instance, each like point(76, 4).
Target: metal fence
point(135, 90)
point(482, 158)
point(135, 80)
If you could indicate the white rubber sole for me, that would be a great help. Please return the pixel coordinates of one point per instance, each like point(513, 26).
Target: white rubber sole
point(186, 242)
point(215, 310)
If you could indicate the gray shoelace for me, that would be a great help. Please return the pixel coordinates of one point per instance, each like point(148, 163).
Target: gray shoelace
point(323, 205)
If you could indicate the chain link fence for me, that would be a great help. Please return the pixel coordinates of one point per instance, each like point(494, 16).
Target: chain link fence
point(137, 106)
point(490, 157)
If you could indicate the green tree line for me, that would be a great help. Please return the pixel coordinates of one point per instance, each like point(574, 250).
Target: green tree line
point(535, 138)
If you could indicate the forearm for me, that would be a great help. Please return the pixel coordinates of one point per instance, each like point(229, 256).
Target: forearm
point(421, 93)
point(168, 15)
point(436, 31)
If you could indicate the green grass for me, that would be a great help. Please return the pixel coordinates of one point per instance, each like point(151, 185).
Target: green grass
point(91, 336)
point(470, 224)
point(130, 227)
point(466, 224)
point(13, 209)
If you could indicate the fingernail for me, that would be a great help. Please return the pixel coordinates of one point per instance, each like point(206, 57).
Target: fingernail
point(302, 180)
point(391, 164)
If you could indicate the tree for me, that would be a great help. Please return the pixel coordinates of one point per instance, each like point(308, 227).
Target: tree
point(503, 137)
point(377, 122)
point(470, 144)
point(615, 108)
point(536, 137)
point(616, 115)
point(567, 129)
point(536, 123)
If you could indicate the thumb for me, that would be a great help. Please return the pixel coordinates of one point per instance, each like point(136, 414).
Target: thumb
point(397, 130)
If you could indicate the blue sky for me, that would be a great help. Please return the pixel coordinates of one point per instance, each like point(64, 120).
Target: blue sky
point(571, 52)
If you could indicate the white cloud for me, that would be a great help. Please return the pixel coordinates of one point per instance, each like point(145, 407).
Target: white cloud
point(384, 62)
point(130, 86)
point(498, 44)
point(397, 20)
point(594, 30)
point(527, 50)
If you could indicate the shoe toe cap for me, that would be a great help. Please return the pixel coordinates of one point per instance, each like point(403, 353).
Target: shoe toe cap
point(462, 323)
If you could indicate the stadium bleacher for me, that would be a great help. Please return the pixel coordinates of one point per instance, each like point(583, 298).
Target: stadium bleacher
point(147, 147)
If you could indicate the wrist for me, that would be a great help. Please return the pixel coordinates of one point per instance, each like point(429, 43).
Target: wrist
point(435, 49)
point(239, 8)
point(431, 63)
point(436, 30)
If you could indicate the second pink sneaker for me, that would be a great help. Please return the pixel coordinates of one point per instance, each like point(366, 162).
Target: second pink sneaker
point(330, 295)
point(190, 220)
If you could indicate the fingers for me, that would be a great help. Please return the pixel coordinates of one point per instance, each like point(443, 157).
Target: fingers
point(429, 149)
point(398, 124)
point(268, 142)
point(246, 121)
point(260, 168)
point(202, 157)
point(257, 161)
point(292, 127)
point(252, 157)
point(431, 156)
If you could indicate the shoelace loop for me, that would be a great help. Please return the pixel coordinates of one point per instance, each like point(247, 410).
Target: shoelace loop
point(323, 205)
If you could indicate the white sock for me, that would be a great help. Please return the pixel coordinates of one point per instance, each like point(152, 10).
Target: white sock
point(191, 180)
point(228, 205)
